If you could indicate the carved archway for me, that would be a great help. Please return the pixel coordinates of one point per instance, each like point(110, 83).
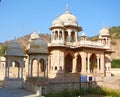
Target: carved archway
point(42, 65)
point(72, 36)
point(79, 64)
point(66, 36)
point(34, 67)
point(68, 63)
point(14, 69)
point(93, 62)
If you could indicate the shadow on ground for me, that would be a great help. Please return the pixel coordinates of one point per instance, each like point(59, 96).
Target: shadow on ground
point(5, 92)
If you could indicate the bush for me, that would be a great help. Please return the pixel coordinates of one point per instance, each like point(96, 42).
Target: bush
point(91, 91)
point(113, 43)
point(115, 63)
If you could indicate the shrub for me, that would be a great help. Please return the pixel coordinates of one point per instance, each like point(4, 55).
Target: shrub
point(113, 43)
point(115, 63)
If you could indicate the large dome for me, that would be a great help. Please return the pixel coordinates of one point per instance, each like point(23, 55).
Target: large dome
point(14, 49)
point(69, 19)
point(66, 19)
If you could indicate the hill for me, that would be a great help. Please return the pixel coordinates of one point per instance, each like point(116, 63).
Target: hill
point(114, 34)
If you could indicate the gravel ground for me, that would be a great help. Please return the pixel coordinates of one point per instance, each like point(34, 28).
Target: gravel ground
point(4, 92)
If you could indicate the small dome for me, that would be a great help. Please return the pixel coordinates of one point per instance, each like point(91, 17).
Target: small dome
point(83, 34)
point(34, 35)
point(38, 45)
point(69, 19)
point(104, 32)
point(57, 22)
point(100, 37)
point(40, 42)
point(14, 49)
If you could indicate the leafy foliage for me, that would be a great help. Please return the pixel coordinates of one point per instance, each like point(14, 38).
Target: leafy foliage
point(91, 91)
point(115, 63)
point(3, 49)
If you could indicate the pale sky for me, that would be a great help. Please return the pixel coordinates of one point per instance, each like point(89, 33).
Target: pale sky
point(22, 17)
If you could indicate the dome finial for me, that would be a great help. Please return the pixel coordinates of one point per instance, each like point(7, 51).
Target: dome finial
point(67, 10)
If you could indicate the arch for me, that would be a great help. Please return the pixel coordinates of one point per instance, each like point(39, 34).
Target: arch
point(93, 63)
point(72, 36)
point(53, 35)
point(79, 64)
point(60, 35)
point(17, 64)
point(34, 67)
point(107, 63)
point(66, 35)
point(68, 63)
point(56, 35)
point(42, 65)
point(14, 69)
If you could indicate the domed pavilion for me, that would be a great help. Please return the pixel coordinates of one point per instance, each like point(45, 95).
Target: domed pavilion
point(70, 55)
point(37, 56)
point(14, 65)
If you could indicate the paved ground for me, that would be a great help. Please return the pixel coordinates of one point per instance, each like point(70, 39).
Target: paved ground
point(4, 92)
point(111, 82)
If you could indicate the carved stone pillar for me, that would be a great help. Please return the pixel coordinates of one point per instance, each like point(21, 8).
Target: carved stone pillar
point(102, 63)
point(98, 64)
point(74, 67)
point(69, 36)
point(63, 36)
point(58, 34)
point(8, 71)
point(38, 69)
point(83, 56)
point(88, 63)
point(6, 66)
point(49, 63)
point(29, 68)
point(22, 72)
point(76, 37)
point(18, 72)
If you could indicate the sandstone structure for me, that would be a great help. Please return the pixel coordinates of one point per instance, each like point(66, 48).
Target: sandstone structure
point(64, 60)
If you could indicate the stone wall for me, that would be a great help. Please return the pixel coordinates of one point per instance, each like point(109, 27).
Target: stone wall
point(35, 88)
point(1, 83)
point(36, 85)
point(13, 83)
point(56, 87)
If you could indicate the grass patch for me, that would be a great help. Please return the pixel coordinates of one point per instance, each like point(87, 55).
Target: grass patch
point(92, 91)
point(115, 63)
point(111, 92)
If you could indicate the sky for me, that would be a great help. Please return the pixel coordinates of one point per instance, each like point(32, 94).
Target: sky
point(22, 17)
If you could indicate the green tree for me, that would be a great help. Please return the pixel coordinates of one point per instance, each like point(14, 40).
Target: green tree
point(3, 49)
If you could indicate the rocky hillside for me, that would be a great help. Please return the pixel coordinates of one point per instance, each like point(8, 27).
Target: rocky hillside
point(114, 33)
point(115, 41)
point(24, 40)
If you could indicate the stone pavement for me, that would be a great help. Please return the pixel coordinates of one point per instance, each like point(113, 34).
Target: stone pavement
point(4, 92)
point(111, 82)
